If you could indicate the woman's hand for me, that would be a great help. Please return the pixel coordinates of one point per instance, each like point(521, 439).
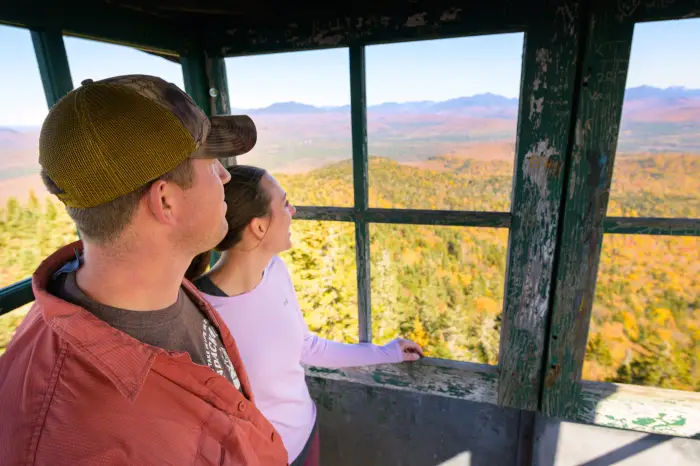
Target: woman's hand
point(411, 350)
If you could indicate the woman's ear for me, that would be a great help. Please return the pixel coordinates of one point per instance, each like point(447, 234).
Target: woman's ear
point(258, 227)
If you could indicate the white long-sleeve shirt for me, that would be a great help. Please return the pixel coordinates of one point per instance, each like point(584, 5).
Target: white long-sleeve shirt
point(274, 340)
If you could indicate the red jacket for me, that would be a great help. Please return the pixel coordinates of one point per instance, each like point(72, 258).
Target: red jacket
point(76, 391)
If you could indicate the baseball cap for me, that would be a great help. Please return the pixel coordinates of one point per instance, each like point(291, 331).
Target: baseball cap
point(108, 138)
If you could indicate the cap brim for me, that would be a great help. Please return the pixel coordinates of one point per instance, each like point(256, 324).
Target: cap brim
point(230, 135)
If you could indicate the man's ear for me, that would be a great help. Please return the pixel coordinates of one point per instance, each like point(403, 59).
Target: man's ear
point(160, 201)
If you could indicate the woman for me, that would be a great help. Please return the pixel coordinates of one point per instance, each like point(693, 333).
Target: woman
point(252, 290)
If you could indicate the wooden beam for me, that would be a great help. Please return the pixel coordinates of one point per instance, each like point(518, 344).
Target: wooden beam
point(601, 93)
point(652, 226)
point(53, 65)
point(360, 172)
point(367, 25)
point(451, 379)
point(218, 81)
point(16, 295)
point(544, 129)
point(205, 82)
point(407, 216)
point(439, 217)
point(194, 73)
point(641, 409)
point(657, 10)
point(103, 22)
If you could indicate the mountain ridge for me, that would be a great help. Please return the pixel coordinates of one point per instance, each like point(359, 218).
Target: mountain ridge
point(483, 101)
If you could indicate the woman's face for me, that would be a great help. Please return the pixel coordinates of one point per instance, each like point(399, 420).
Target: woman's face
point(278, 236)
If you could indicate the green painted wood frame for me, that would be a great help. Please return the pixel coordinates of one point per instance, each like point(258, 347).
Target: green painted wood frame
point(109, 23)
point(549, 173)
point(52, 60)
point(205, 81)
point(601, 89)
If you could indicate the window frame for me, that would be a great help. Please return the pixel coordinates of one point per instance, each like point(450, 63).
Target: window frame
point(580, 50)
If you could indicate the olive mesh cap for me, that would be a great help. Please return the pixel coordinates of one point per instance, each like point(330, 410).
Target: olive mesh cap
point(108, 138)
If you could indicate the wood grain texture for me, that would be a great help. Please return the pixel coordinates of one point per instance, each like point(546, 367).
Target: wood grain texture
point(367, 24)
point(653, 226)
point(360, 171)
point(644, 409)
point(629, 407)
point(601, 94)
point(465, 381)
point(655, 10)
point(407, 216)
point(547, 96)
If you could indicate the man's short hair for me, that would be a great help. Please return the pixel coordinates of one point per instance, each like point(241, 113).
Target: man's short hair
point(105, 222)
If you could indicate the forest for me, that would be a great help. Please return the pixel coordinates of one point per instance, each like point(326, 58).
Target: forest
point(444, 286)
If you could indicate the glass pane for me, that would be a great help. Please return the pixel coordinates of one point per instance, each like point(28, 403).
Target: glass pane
point(645, 328)
point(442, 118)
point(89, 59)
point(32, 222)
point(657, 167)
point(22, 111)
point(440, 286)
point(300, 104)
point(29, 232)
point(322, 265)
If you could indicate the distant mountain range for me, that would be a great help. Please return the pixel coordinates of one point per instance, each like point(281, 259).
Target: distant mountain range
point(487, 100)
point(669, 95)
point(294, 135)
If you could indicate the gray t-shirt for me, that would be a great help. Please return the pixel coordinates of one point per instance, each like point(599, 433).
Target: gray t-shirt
point(179, 327)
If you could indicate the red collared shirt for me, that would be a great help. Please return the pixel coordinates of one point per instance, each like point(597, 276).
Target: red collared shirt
point(74, 391)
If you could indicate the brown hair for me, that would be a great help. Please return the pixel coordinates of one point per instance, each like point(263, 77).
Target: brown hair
point(104, 223)
point(245, 199)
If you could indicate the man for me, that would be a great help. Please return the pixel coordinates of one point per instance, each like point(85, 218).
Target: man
point(119, 361)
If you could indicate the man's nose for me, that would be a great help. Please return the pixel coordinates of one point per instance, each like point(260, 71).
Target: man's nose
point(223, 173)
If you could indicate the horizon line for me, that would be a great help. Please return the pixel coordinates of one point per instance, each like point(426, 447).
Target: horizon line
point(408, 102)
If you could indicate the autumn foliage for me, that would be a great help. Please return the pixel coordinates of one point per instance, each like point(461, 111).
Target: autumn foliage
point(443, 286)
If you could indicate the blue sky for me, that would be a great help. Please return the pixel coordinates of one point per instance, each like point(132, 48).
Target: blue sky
point(663, 55)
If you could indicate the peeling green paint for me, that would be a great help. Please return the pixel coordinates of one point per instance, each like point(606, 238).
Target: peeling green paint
point(388, 379)
point(324, 370)
point(659, 421)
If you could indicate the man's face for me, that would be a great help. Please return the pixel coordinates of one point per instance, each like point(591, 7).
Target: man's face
point(202, 222)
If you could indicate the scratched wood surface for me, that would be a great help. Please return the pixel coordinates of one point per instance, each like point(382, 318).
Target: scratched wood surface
point(592, 157)
point(655, 10)
point(465, 381)
point(643, 409)
point(218, 81)
point(653, 226)
point(369, 24)
point(629, 407)
point(406, 216)
point(543, 134)
point(360, 171)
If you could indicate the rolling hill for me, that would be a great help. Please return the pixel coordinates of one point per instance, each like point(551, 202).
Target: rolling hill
point(295, 137)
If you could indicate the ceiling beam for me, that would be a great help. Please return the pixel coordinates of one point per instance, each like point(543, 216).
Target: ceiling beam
point(104, 23)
